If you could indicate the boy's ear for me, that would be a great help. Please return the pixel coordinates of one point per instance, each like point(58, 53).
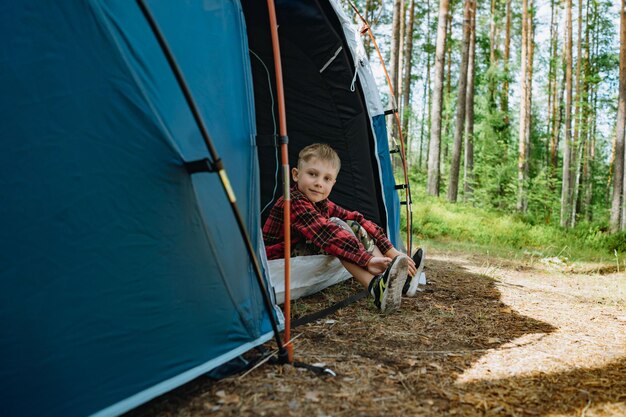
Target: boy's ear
point(294, 174)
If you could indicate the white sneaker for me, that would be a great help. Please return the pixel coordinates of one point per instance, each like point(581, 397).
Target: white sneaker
point(411, 285)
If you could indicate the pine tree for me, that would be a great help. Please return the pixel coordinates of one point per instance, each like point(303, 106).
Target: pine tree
point(459, 129)
point(437, 101)
point(566, 191)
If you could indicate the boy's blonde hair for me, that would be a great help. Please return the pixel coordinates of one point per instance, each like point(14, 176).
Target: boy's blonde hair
point(321, 151)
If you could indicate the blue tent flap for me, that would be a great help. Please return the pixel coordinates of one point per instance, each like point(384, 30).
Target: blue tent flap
point(117, 269)
point(122, 276)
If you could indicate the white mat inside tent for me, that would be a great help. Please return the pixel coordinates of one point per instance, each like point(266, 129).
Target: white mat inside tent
point(309, 274)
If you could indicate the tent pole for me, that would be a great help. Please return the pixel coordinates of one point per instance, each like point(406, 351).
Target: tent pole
point(216, 165)
point(409, 214)
point(282, 118)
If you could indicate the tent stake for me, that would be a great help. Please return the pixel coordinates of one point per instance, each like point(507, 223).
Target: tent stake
point(217, 164)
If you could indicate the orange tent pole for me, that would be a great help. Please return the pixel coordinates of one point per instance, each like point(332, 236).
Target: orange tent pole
point(282, 118)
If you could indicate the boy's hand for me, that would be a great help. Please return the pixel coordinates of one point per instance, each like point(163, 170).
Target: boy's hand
point(378, 264)
point(393, 252)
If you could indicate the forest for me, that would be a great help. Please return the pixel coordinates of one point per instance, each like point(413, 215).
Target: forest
point(515, 108)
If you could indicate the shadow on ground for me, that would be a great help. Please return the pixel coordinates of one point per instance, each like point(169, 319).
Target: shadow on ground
point(405, 363)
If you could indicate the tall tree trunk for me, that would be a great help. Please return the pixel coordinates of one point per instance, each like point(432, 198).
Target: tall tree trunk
point(492, 54)
point(529, 96)
point(459, 129)
point(427, 92)
point(504, 100)
point(525, 103)
point(555, 110)
point(591, 154)
point(551, 78)
point(584, 117)
point(447, 98)
point(567, 150)
point(618, 164)
point(576, 183)
point(593, 113)
point(400, 81)
point(521, 163)
point(558, 118)
point(468, 163)
point(395, 44)
point(576, 152)
point(395, 63)
point(623, 132)
point(408, 64)
point(435, 130)
point(420, 149)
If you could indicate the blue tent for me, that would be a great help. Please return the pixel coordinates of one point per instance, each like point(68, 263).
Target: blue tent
point(121, 275)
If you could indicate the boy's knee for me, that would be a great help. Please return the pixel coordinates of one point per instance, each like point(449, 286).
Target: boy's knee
point(341, 223)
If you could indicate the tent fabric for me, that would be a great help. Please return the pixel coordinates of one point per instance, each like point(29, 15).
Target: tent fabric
point(386, 173)
point(310, 275)
point(318, 61)
point(378, 124)
point(120, 275)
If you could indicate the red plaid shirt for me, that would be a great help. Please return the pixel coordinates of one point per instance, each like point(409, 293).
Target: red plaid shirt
point(310, 221)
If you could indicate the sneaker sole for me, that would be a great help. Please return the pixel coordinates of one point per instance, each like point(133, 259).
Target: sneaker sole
point(415, 282)
point(393, 294)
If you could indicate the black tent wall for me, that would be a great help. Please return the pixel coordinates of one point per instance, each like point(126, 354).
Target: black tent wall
point(320, 106)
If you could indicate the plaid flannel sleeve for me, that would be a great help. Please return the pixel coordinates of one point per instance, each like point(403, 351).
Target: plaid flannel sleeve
point(375, 231)
point(334, 240)
point(273, 233)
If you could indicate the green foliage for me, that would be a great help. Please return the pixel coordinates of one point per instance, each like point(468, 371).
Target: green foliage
point(494, 163)
point(617, 242)
point(543, 198)
point(435, 219)
point(495, 139)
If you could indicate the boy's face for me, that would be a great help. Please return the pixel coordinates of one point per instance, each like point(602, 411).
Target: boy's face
point(315, 179)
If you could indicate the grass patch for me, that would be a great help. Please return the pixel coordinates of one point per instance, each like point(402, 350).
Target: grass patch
point(471, 228)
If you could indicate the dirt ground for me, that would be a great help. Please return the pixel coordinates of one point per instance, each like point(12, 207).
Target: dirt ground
point(488, 337)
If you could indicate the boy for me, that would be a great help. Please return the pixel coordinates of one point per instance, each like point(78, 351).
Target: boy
point(321, 227)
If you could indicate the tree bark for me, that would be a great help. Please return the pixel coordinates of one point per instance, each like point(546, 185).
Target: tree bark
point(459, 129)
point(504, 100)
point(616, 222)
point(576, 140)
point(622, 64)
point(408, 65)
point(557, 96)
point(435, 130)
point(492, 53)
point(567, 150)
point(582, 166)
point(427, 92)
point(522, 161)
point(587, 184)
point(576, 183)
point(394, 64)
point(591, 154)
point(395, 44)
point(468, 163)
point(447, 98)
point(558, 119)
point(551, 79)
point(402, 35)
point(529, 96)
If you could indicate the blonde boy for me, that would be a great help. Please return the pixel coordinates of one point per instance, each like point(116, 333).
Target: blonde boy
point(318, 226)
